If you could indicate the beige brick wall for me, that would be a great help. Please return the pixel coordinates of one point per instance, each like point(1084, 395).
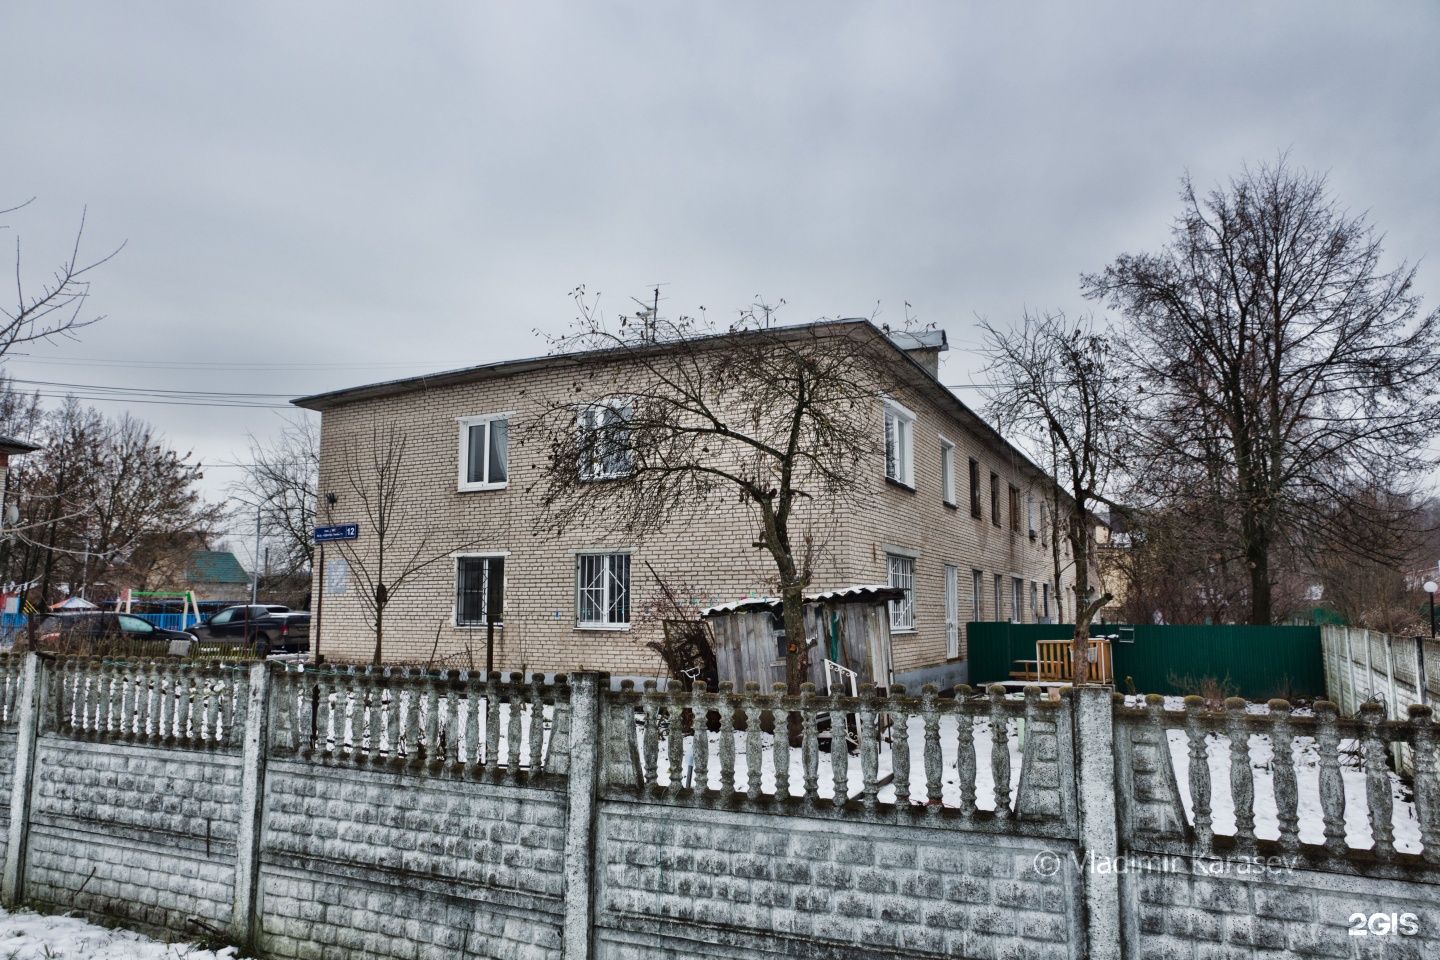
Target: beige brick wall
point(710, 548)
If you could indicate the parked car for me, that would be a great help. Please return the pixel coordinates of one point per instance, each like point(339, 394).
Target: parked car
point(103, 632)
point(260, 629)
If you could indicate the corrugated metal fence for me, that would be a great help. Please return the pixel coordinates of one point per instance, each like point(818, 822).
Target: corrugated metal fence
point(1245, 661)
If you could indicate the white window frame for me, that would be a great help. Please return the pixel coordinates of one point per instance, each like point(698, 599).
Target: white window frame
point(977, 594)
point(902, 611)
point(947, 471)
point(463, 482)
point(899, 446)
point(952, 611)
point(591, 471)
point(607, 598)
point(1017, 599)
point(504, 582)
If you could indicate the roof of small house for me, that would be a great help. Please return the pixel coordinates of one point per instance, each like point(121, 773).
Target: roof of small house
point(10, 446)
point(869, 593)
point(215, 566)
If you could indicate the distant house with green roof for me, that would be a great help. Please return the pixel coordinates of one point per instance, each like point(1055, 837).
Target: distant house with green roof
point(216, 575)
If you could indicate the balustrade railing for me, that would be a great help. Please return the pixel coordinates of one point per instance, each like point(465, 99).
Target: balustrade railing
point(962, 753)
point(452, 723)
point(171, 702)
point(1329, 788)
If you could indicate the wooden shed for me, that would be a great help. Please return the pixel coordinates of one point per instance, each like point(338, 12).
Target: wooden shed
point(848, 631)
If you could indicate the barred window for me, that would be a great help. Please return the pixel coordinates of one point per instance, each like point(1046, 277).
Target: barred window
point(479, 588)
point(603, 594)
point(902, 575)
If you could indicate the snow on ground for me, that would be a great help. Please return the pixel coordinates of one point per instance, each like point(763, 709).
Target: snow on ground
point(34, 936)
point(1267, 824)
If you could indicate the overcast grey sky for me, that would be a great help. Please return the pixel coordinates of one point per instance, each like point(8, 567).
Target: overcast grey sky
point(376, 190)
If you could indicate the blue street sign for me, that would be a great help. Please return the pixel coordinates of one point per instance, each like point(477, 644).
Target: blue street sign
point(345, 531)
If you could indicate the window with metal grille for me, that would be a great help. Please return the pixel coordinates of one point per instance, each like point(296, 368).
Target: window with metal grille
point(479, 589)
point(902, 575)
point(603, 594)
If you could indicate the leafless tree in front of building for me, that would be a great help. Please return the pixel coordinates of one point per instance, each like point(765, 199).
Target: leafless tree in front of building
point(664, 416)
point(1053, 386)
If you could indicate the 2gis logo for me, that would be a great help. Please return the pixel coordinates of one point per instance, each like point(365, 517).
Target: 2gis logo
point(1384, 924)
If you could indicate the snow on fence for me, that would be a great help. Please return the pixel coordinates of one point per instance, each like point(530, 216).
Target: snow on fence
point(454, 722)
point(1318, 780)
point(961, 753)
point(160, 701)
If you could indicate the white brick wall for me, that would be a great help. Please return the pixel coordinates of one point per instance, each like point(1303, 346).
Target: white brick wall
point(710, 548)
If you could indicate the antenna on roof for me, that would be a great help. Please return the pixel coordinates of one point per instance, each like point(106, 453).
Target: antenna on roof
point(648, 315)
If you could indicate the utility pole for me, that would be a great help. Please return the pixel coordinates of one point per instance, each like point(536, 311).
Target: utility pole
point(255, 578)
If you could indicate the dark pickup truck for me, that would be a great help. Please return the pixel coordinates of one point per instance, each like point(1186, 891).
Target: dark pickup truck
point(261, 630)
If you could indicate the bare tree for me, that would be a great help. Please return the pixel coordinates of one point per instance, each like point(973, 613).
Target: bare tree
point(1053, 386)
point(394, 547)
point(53, 307)
point(1282, 366)
point(104, 500)
point(665, 414)
point(283, 477)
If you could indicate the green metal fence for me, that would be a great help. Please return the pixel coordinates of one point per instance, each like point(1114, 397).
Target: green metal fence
point(1245, 661)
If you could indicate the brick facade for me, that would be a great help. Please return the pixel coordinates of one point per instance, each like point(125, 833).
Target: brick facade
point(709, 549)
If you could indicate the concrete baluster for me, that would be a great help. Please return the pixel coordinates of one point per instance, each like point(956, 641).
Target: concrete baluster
point(1332, 785)
point(126, 727)
point(869, 747)
point(1377, 780)
point(1000, 751)
point(727, 738)
point(839, 753)
point(1199, 772)
point(434, 753)
point(474, 703)
point(390, 710)
point(492, 722)
point(899, 742)
point(934, 771)
point(513, 745)
point(1427, 790)
point(754, 749)
point(966, 766)
point(780, 750)
point(100, 714)
point(700, 707)
point(1287, 791)
point(537, 725)
point(1242, 776)
point(675, 742)
point(809, 742)
point(650, 739)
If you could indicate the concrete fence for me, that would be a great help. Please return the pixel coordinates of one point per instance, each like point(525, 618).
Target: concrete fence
point(354, 814)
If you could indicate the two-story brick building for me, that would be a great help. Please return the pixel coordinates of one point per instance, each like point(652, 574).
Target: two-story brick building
point(952, 513)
